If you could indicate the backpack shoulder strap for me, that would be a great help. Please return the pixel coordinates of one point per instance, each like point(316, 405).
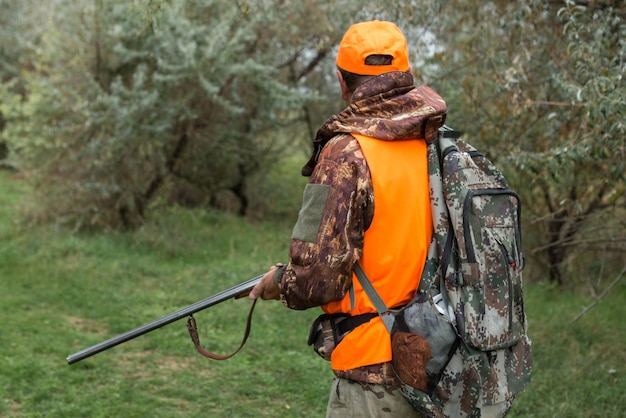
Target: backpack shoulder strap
point(377, 301)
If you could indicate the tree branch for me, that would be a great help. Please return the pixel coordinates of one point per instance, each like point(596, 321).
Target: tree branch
point(602, 296)
point(551, 103)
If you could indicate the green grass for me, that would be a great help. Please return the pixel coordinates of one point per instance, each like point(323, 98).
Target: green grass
point(578, 367)
point(61, 292)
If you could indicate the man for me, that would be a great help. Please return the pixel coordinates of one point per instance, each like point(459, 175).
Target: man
point(367, 201)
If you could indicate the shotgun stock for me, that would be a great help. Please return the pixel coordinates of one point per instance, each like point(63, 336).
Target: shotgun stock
point(236, 291)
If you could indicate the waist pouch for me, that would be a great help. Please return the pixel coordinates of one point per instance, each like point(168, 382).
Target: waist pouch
point(328, 330)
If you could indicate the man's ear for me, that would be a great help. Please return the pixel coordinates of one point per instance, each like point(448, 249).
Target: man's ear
point(346, 94)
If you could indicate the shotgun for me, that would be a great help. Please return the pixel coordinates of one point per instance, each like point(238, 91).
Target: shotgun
point(239, 290)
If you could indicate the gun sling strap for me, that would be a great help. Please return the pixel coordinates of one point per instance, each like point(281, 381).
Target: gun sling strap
point(193, 332)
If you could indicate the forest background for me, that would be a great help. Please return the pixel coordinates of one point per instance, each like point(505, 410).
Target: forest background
point(130, 121)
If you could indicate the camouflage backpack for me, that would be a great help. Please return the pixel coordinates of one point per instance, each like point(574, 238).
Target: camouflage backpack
point(469, 306)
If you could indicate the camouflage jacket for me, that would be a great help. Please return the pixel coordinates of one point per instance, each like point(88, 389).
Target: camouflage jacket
point(338, 203)
point(328, 241)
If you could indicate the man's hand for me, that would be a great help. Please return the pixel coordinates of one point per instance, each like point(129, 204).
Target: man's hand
point(266, 288)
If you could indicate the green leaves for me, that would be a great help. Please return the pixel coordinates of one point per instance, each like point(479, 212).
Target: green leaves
point(117, 116)
point(119, 105)
point(541, 89)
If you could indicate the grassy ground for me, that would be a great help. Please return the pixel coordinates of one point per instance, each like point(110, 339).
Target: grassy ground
point(61, 292)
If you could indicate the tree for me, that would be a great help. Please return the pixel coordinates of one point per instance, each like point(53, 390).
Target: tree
point(540, 86)
point(120, 106)
point(17, 33)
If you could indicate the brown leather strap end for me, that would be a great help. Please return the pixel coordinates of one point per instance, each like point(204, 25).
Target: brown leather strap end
point(193, 333)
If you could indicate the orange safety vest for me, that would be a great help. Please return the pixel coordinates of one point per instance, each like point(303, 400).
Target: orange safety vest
point(395, 245)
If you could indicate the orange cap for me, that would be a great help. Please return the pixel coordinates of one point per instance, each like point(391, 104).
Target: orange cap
point(372, 38)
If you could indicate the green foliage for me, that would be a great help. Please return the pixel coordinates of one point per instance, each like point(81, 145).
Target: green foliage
point(539, 87)
point(110, 109)
point(61, 292)
point(117, 109)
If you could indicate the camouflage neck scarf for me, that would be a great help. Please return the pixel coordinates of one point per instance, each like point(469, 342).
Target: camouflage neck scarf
point(388, 107)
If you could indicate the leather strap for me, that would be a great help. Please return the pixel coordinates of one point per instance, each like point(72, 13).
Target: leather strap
point(193, 332)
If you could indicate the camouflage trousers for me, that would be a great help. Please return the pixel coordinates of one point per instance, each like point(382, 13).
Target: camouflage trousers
point(349, 399)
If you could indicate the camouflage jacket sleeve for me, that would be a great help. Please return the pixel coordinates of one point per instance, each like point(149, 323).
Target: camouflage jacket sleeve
point(327, 239)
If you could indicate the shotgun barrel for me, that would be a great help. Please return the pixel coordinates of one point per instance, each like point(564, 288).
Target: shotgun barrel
point(233, 292)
